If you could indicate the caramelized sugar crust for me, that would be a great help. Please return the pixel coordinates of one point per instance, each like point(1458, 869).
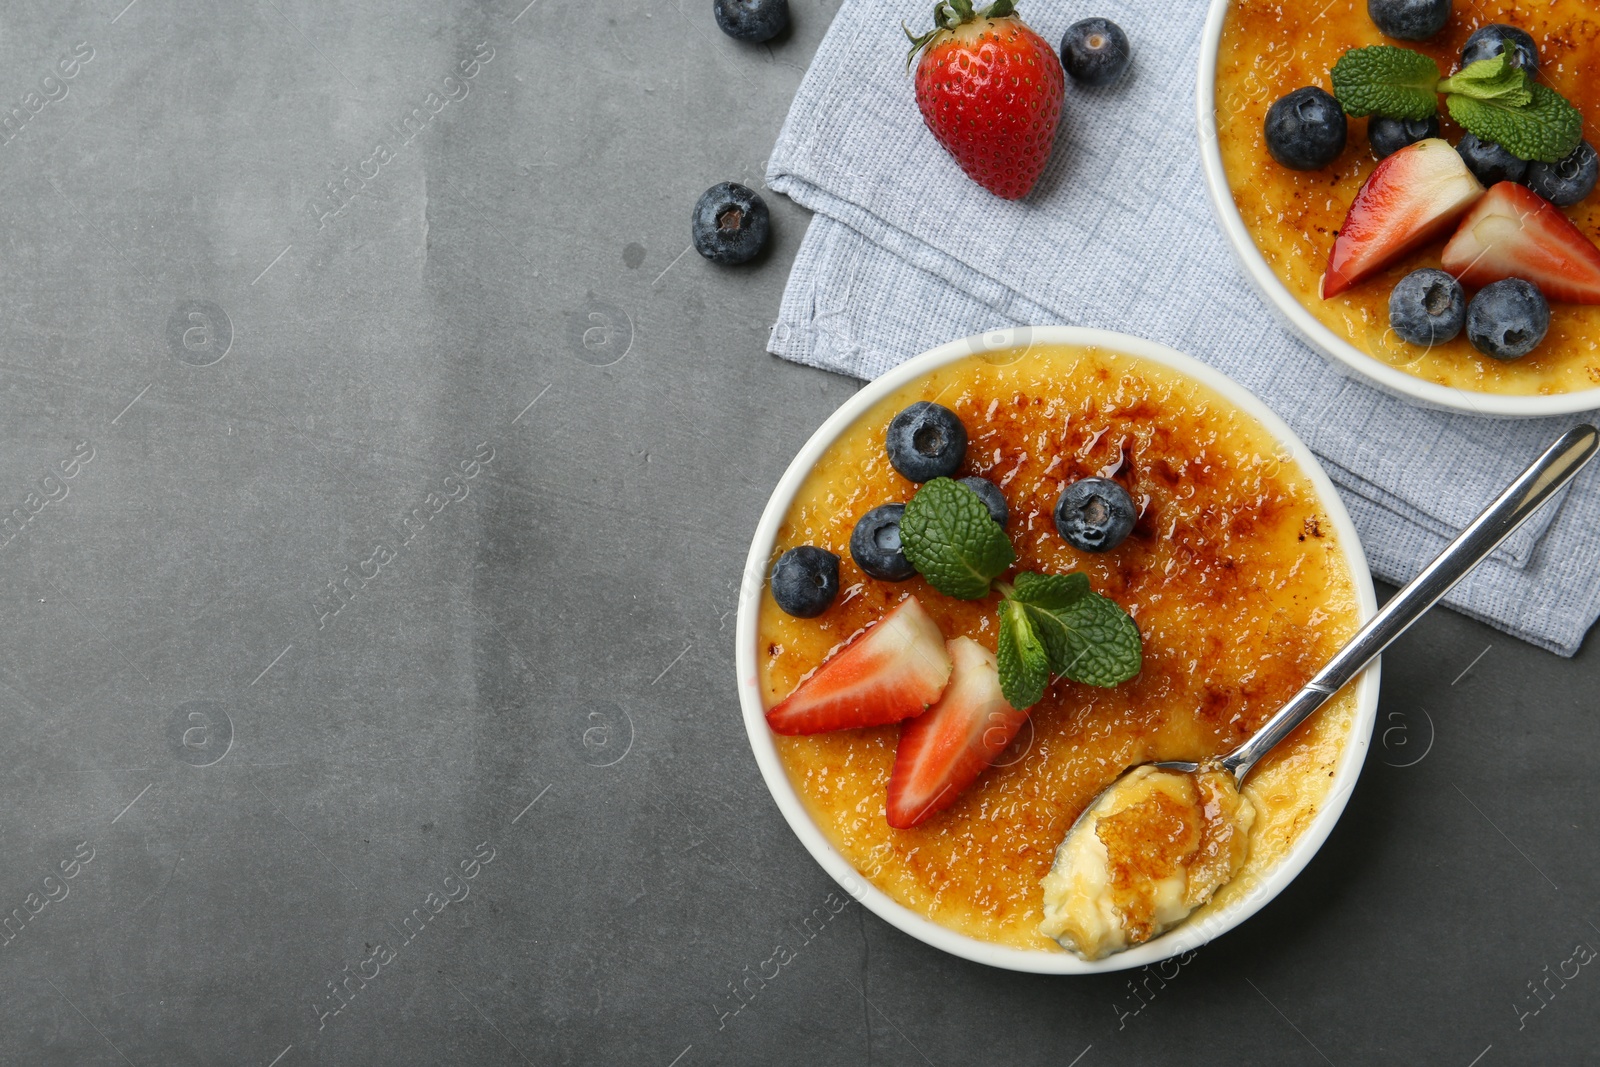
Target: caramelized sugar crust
point(1272, 47)
point(1232, 572)
point(1161, 836)
point(1222, 848)
point(1149, 842)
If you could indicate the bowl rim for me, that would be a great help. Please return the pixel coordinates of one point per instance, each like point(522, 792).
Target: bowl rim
point(1289, 308)
point(1183, 938)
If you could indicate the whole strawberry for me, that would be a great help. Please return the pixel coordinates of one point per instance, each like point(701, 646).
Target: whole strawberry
point(990, 89)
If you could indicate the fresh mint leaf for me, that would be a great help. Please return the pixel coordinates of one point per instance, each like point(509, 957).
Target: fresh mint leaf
point(1087, 637)
point(1546, 130)
point(1024, 664)
point(1396, 83)
point(1052, 592)
point(949, 536)
point(1104, 647)
point(1491, 79)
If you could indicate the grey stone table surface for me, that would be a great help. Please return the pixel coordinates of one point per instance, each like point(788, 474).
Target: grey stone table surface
point(380, 465)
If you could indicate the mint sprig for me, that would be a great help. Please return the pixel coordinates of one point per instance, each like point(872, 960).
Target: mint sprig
point(1051, 625)
point(1084, 636)
point(1493, 99)
point(949, 536)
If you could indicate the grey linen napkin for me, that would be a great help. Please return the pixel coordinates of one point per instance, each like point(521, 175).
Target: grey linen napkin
point(905, 253)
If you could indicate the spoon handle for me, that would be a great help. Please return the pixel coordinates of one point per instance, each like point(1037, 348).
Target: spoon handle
point(1553, 470)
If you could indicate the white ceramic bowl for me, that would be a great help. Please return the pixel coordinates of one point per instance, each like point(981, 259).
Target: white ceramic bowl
point(1184, 937)
point(1284, 302)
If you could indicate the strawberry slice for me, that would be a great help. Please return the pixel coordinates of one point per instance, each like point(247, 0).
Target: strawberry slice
point(944, 751)
point(892, 671)
point(1412, 197)
point(1516, 233)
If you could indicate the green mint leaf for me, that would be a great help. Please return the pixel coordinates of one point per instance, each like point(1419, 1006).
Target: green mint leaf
point(1087, 637)
point(1491, 79)
point(1546, 130)
point(1024, 664)
point(1052, 592)
point(949, 536)
point(1104, 647)
point(1396, 83)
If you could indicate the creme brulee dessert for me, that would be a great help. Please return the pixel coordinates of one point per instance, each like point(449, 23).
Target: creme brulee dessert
point(1227, 577)
point(1272, 48)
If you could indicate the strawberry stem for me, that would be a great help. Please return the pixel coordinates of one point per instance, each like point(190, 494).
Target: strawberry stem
point(950, 14)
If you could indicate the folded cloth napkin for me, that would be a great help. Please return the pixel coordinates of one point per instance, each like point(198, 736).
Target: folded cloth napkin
point(905, 253)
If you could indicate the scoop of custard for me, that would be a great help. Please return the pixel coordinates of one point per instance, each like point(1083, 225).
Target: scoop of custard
point(1151, 850)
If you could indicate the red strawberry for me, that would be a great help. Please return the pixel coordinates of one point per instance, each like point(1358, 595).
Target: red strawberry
point(990, 89)
point(1516, 233)
point(943, 751)
point(892, 671)
point(1412, 197)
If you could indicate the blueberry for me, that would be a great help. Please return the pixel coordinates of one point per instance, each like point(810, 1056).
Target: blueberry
point(1428, 307)
point(1489, 161)
point(1306, 130)
point(926, 441)
point(1508, 319)
point(992, 498)
point(1094, 514)
point(875, 544)
point(1409, 20)
point(1095, 51)
point(752, 20)
point(805, 580)
point(1567, 182)
point(1490, 41)
point(730, 224)
point(1388, 136)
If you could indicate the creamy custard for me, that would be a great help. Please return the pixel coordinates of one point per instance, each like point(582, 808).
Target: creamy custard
point(1150, 852)
point(1272, 47)
point(1233, 573)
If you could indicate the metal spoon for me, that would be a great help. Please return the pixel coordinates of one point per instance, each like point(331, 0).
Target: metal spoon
point(1516, 505)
